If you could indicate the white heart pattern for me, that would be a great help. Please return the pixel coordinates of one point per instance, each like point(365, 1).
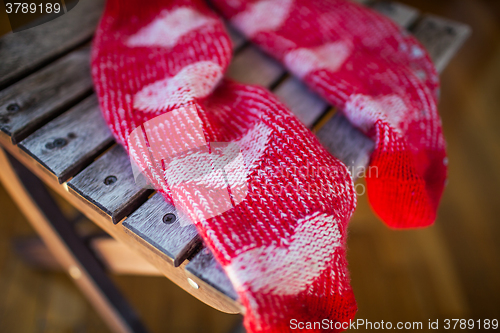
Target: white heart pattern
point(364, 110)
point(206, 177)
point(197, 80)
point(265, 15)
point(303, 61)
point(169, 27)
point(197, 173)
point(289, 270)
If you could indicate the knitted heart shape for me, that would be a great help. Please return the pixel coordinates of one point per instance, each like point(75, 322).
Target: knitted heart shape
point(331, 56)
point(309, 250)
point(169, 27)
point(262, 16)
point(192, 82)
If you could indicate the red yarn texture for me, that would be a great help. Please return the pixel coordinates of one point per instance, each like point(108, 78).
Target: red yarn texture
point(269, 201)
point(379, 76)
point(266, 197)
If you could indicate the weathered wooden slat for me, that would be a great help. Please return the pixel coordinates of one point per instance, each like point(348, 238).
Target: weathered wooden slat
point(25, 51)
point(252, 66)
point(346, 143)
point(156, 223)
point(402, 14)
point(204, 267)
point(29, 103)
point(108, 183)
point(441, 37)
point(237, 39)
point(305, 104)
point(68, 143)
point(362, 2)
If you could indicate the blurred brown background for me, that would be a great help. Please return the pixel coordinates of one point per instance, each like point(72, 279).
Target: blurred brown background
point(451, 270)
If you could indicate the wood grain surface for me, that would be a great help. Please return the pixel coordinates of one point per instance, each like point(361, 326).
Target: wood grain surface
point(177, 240)
point(205, 268)
point(71, 141)
point(252, 66)
point(400, 13)
point(346, 143)
point(304, 103)
point(108, 183)
point(23, 52)
point(442, 38)
point(28, 104)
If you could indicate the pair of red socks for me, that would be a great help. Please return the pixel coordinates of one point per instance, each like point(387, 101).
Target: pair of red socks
point(268, 200)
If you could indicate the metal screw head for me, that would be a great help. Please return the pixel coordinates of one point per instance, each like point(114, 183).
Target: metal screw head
point(60, 142)
point(14, 107)
point(49, 145)
point(169, 218)
point(109, 180)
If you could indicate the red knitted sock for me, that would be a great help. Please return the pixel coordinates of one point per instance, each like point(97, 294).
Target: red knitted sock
point(266, 197)
point(379, 76)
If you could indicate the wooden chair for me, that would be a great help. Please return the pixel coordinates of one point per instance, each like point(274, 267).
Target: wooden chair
point(52, 134)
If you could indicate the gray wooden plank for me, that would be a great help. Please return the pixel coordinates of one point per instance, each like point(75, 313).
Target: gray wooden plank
point(346, 143)
point(304, 103)
point(400, 13)
point(27, 50)
point(71, 141)
point(362, 2)
point(177, 240)
point(109, 184)
point(204, 266)
point(27, 104)
point(252, 66)
point(441, 37)
point(237, 38)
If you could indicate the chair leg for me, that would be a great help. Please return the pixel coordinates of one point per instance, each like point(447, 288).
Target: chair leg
point(75, 257)
point(34, 252)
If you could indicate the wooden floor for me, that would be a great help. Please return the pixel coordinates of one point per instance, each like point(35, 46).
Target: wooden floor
point(451, 270)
